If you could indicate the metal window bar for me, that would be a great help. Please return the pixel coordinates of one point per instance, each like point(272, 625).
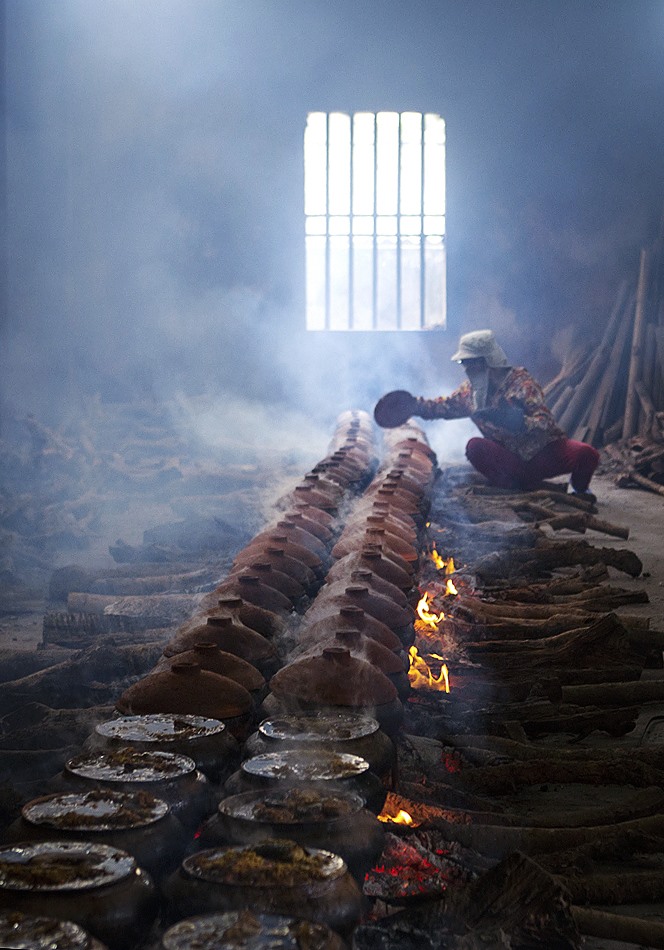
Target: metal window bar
point(354, 239)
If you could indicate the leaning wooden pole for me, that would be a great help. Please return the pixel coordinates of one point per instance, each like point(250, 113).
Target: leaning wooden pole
point(632, 403)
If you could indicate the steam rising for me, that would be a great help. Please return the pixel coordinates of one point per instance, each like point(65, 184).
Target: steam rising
point(154, 196)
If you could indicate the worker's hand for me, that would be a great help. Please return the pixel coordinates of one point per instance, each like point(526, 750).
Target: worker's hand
point(394, 408)
point(507, 417)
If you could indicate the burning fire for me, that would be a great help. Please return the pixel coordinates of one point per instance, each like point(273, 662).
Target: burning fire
point(426, 616)
point(401, 818)
point(420, 675)
point(446, 565)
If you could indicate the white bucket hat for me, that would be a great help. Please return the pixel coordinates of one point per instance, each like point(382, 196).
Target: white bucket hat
point(480, 344)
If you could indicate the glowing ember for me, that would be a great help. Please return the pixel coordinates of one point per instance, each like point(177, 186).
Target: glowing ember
point(420, 675)
point(401, 818)
point(426, 616)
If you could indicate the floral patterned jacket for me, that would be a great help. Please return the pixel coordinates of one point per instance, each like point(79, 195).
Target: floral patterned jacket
point(518, 390)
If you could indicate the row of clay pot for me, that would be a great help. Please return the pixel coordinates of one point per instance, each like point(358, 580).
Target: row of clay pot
point(354, 637)
point(364, 608)
point(146, 780)
point(218, 662)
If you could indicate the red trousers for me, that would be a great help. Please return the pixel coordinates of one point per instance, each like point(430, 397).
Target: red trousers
point(504, 469)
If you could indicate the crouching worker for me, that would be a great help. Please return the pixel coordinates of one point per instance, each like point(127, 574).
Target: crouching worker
point(521, 443)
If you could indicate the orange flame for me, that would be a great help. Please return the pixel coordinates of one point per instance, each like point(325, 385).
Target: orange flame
point(420, 675)
point(442, 563)
point(449, 587)
point(401, 818)
point(425, 615)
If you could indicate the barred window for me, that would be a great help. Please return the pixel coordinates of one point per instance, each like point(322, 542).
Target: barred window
point(374, 204)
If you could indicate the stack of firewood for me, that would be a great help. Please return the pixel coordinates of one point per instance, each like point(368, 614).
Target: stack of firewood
point(613, 389)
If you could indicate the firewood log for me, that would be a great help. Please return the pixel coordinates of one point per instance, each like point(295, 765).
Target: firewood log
point(610, 926)
point(630, 419)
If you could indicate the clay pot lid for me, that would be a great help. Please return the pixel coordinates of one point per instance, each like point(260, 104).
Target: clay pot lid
point(48, 866)
point(41, 933)
point(231, 603)
point(321, 728)
point(292, 806)
point(229, 635)
point(210, 657)
point(375, 653)
point(131, 765)
point(304, 765)
point(94, 811)
point(270, 863)
point(187, 688)
point(268, 932)
point(335, 678)
point(356, 590)
point(160, 728)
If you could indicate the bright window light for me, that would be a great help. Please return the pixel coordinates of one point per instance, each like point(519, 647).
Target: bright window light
point(374, 204)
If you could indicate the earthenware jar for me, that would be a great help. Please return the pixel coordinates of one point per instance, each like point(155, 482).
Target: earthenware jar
point(347, 618)
point(171, 777)
point(99, 887)
point(135, 822)
point(323, 769)
point(336, 822)
point(271, 576)
point(275, 554)
point(345, 733)
point(28, 932)
point(336, 681)
point(374, 560)
point(275, 876)
point(231, 637)
point(186, 688)
point(248, 585)
point(370, 601)
point(209, 657)
point(241, 929)
point(205, 740)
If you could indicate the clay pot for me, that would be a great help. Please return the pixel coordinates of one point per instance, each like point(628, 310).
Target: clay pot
point(337, 822)
point(214, 931)
point(209, 657)
point(102, 889)
point(186, 688)
point(298, 534)
point(137, 823)
point(374, 560)
point(383, 508)
point(417, 447)
point(318, 481)
point(315, 497)
point(348, 618)
point(390, 494)
point(364, 536)
point(280, 539)
point(366, 578)
point(326, 771)
point(359, 595)
point(263, 621)
point(319, 887)
point(363, 647)
point(300, 517)
point(265, 570)
point(325, 519)
point(40, 933)
point(231, 637)
point(276, 555)
point(207, 741)
point(344, 475)
point(332, 680)
point(173, 778)
point(347, 733)
point(248, 586)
